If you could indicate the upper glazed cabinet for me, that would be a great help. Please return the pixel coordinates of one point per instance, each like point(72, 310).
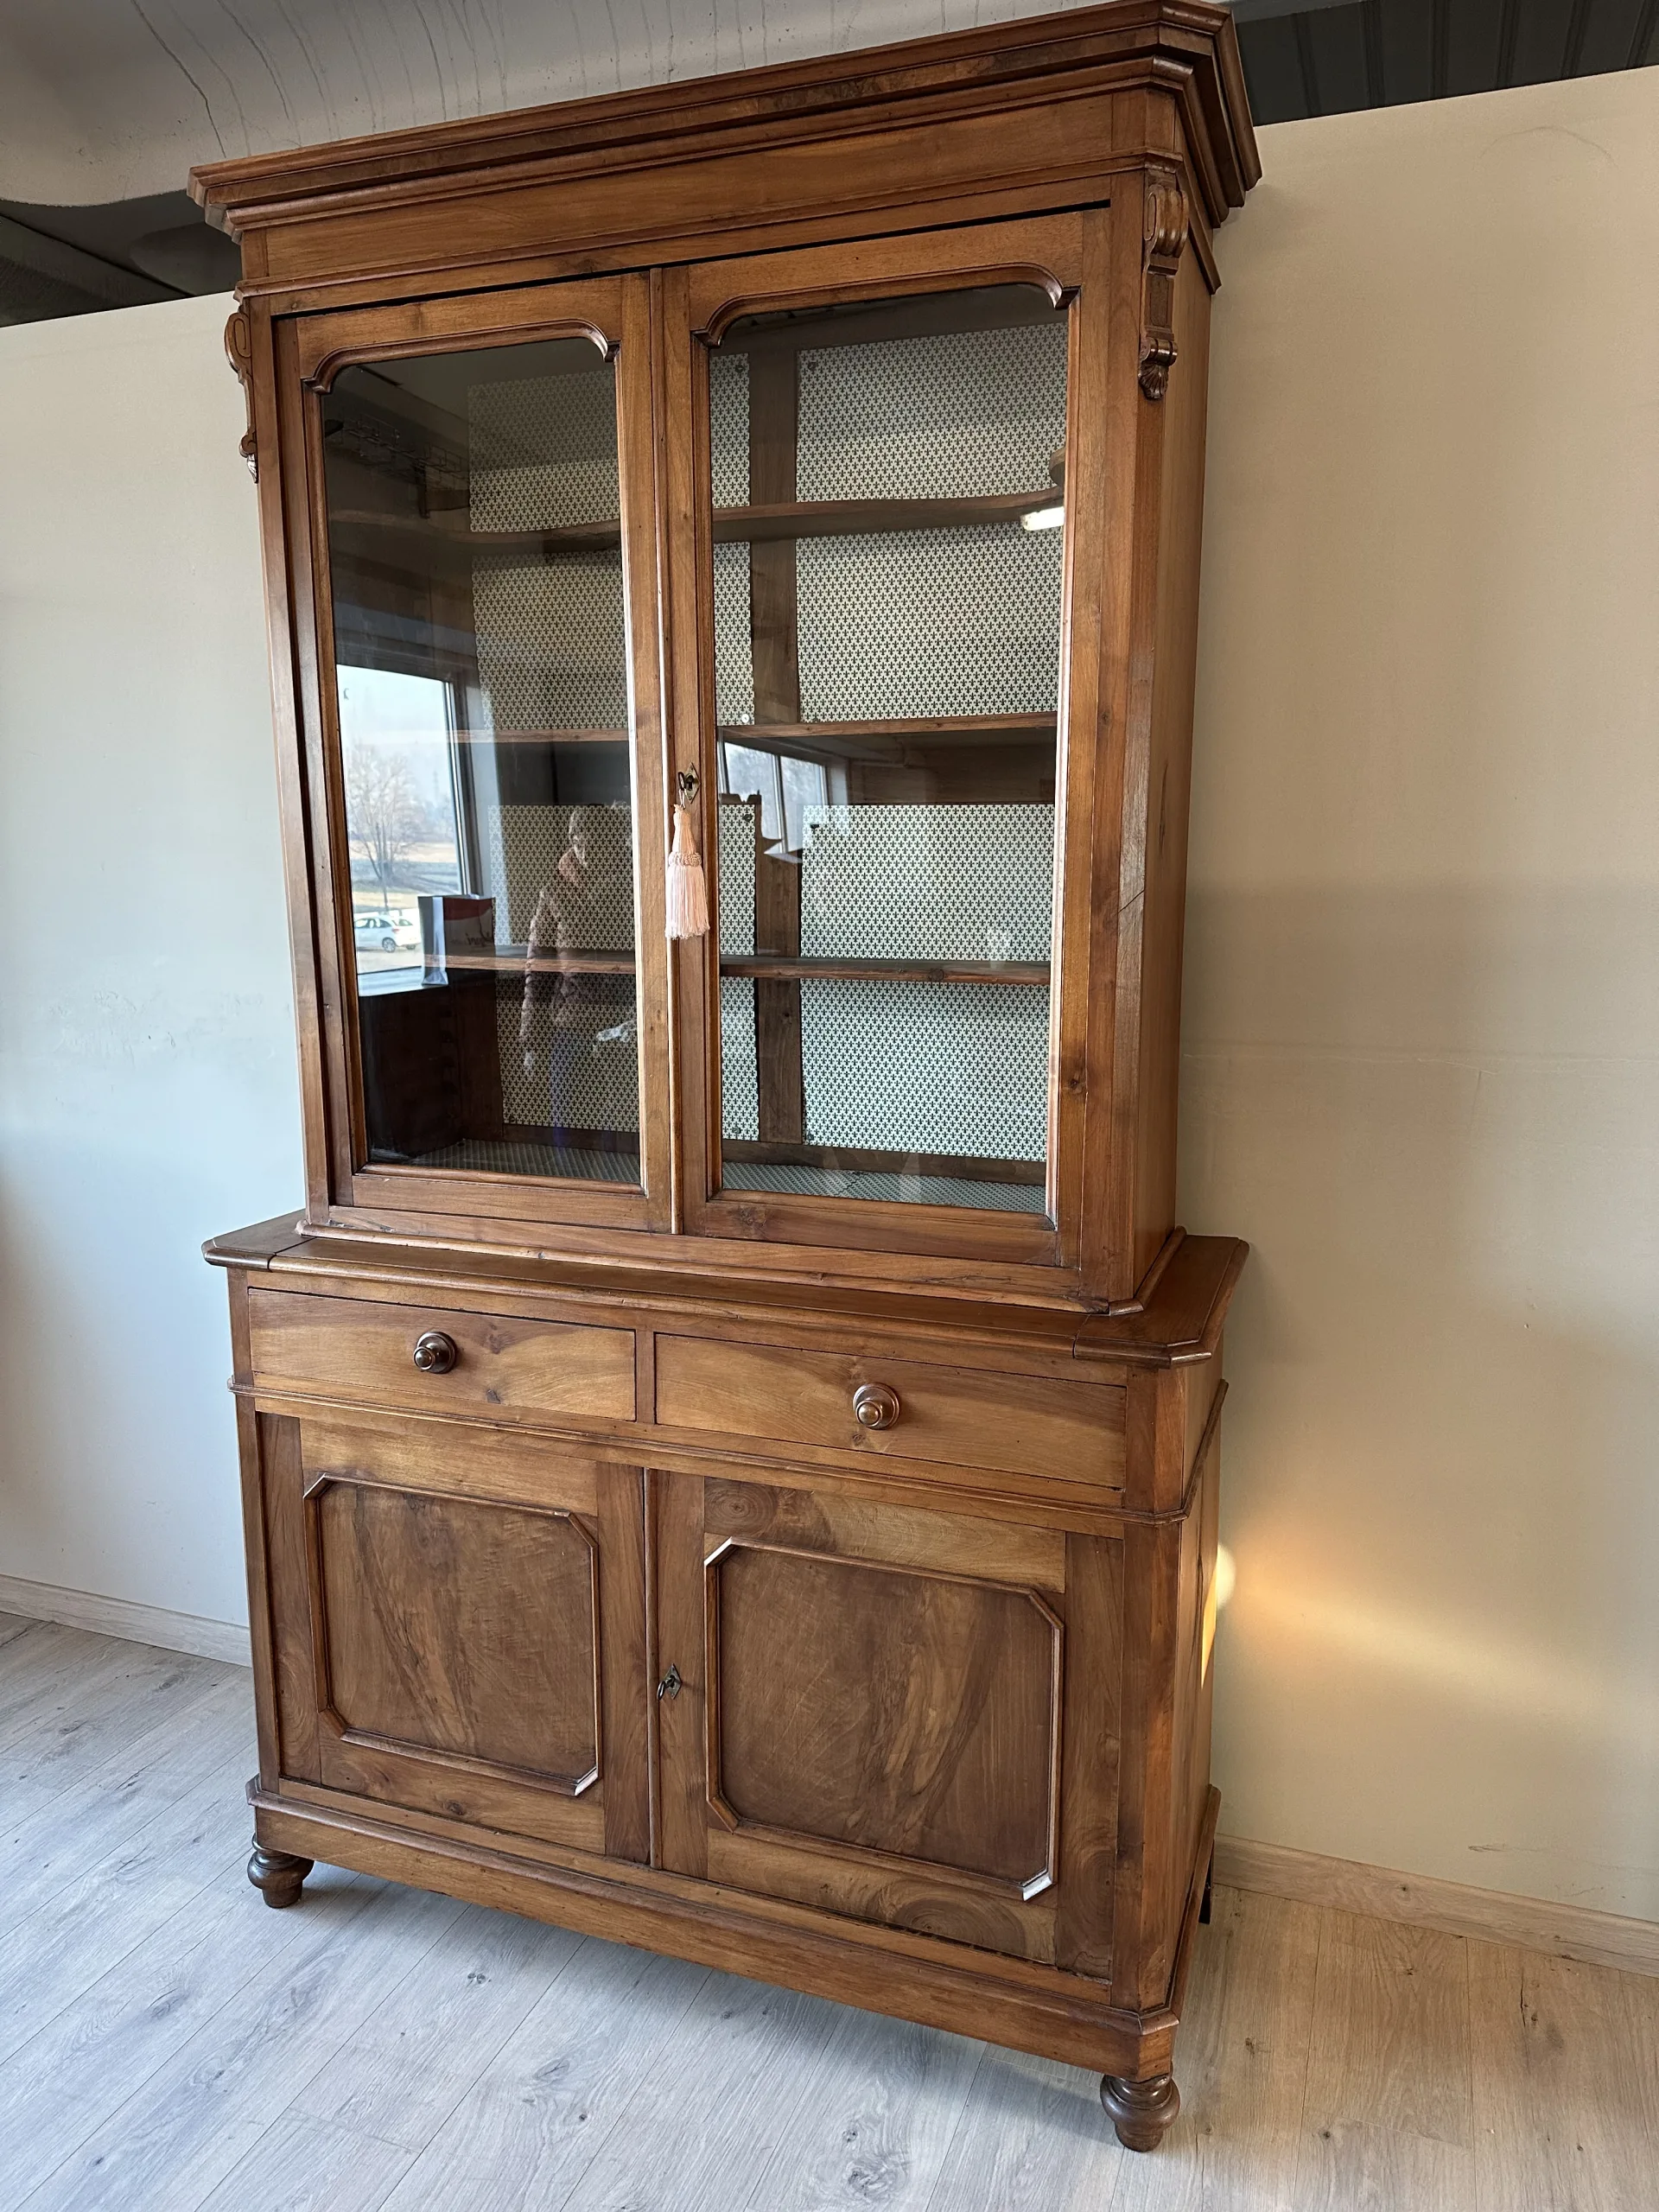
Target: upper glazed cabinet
point(873, 544)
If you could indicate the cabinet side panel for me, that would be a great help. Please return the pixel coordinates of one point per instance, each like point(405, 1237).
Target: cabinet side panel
point(1180, 524)
point(1094, 1647)
point(288, 1578)
point(622, 1638)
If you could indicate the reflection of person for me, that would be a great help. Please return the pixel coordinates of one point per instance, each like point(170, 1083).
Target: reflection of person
point(569, 918)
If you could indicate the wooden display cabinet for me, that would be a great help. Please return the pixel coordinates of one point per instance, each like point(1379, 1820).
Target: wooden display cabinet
point(730, 1443)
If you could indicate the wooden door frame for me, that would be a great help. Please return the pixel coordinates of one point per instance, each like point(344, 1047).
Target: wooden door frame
point(302, 356)
point(1065, 254)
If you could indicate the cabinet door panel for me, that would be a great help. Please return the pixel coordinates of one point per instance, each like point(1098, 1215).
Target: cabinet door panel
point(869, 1722)
point(433, 1613)
point(887, 1707)
point(463, 1643)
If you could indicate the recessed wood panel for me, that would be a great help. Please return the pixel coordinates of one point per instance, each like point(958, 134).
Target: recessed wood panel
point(884, 1710)
point(1070, 1432)
point(505, 1368)
point(459, 1628)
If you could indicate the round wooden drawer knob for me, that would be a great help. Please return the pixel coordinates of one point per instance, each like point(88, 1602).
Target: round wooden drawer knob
point(874, 1406)
point(434, 1353)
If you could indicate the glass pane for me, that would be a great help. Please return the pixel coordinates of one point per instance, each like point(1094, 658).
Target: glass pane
point(482, 672)
point(889, 503)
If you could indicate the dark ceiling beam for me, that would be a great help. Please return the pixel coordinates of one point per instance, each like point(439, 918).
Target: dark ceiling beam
point(102, 281)
point(1641, 37)
point(1573, 51)
point(1305, 63)
point(1376, 89)
point(1508, 31)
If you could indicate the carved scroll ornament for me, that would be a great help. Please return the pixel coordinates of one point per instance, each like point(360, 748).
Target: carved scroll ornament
point(239, 352)
point(1164, 234)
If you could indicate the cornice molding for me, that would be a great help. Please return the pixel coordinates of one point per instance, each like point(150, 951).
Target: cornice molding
point(1183, 48)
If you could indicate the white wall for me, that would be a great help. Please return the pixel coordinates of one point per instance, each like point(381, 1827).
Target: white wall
point(1422, 1017)
point(1422, 1012)
point(147, 1091)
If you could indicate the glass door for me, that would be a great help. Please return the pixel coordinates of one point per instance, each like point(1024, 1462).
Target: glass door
point(488, 547)
point(882, 510)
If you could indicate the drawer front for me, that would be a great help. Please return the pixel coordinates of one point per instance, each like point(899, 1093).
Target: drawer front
point(1016, 1424)
point(504, 1370)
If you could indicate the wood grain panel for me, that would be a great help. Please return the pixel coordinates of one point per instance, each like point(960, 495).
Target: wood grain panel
point(1072, 1431)
point(459, 1628)
point(1094, 1690)
point(910, 1714)
point(625, 1685)
point(458, 1462)
point(852, 1527)
point(888, 1897)
point(282, 1471)
point(506, 1370)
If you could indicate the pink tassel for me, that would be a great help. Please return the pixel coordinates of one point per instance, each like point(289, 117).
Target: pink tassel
point(688, 893)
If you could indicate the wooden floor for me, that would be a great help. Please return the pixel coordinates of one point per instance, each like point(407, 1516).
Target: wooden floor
point(168, 2043)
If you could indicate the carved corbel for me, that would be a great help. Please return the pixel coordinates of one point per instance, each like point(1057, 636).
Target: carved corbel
point(239, 352)
point(1163, 235)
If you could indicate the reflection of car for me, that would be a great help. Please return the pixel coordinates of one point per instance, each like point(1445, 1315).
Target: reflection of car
point(389, 931)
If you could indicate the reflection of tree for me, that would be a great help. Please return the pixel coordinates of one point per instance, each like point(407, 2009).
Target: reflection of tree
point(386, 813)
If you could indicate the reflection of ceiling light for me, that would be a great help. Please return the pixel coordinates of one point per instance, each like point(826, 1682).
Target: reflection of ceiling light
point(1043, 518)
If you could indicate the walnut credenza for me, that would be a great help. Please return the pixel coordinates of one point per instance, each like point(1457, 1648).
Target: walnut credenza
point(729, 1437)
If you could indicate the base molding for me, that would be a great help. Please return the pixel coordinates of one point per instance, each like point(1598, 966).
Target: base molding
point(1564, 1931)
point(134, 1624)
point(938, 1984)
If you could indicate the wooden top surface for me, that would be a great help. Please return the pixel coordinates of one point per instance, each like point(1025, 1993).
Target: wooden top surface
point(1180, 1322)
point(919, 83)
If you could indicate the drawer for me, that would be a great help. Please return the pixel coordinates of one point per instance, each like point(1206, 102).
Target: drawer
point(1017, 1424)
point(505, 1370)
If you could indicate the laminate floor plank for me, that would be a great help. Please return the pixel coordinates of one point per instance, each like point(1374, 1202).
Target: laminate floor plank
point(95, 1922)
point(169, 2044)
point(1242, 2062)
point(433, 2036)
point(699, 2140)
point(73, 1729)
point(522, 2136)
point(1565, 2084)
point(197, 2113)
point(97, 2053)
point(14, 1625)
point(876, 2120)
point(311, 2166)
point(1350, 2167)
point(1033, 2139)
point(54, 1669)
point(56, 1840)
point(1390, 2030)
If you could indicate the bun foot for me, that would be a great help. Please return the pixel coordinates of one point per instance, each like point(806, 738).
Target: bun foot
point(277, 1875)
point(1140, 2110)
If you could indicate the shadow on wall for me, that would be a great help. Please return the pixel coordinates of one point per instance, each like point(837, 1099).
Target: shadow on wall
point(1433, 1114)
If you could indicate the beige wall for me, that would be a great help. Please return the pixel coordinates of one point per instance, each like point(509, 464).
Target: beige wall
point(1421, 1003)
point(1421, 1008)
point(148, 1089)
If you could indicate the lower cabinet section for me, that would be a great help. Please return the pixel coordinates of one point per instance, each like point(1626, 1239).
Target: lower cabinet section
point(869, 1711)
point(459, 1626)
point(948, 1764)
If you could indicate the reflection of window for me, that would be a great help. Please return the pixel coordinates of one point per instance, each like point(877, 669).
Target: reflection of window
point(397, 744)
point(786, 787)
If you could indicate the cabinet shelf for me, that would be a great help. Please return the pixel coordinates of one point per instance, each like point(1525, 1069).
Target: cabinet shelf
point(759, 525)
point(544, 736)
point(753, 525)
point(788, 967)
point(891, 739)
point(517, 960)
